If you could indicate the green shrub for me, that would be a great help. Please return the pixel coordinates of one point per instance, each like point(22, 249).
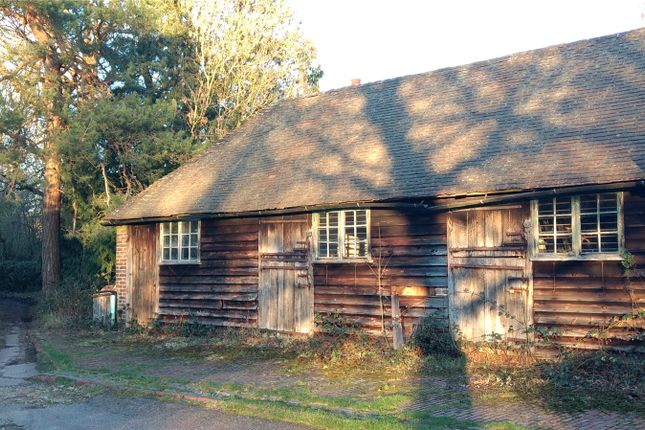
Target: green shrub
point(20, 275)
point(70, 305)
point(433, 336)
point(334, 323)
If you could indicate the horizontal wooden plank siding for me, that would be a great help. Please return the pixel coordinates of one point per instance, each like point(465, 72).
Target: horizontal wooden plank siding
point(413, 246)
point(223, 289)
point(576, 300)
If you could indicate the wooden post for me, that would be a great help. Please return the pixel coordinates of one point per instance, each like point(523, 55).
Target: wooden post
point(397, 329)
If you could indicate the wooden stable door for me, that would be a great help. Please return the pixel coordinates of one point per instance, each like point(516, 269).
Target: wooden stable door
point(285, 295)
point(488, 280)
point(144, 273)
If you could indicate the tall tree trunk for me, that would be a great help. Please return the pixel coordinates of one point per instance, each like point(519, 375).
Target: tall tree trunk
point(51, 220)
point(53, 91)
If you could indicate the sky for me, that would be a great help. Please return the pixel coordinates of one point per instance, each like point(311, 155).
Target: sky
point(378, 39)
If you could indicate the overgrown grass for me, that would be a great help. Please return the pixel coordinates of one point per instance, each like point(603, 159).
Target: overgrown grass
point(576, 381)
point(385, 404)
point(67, 307)
point(321, 419)
point(293, 405)
point(611, 381)
point(52, 358)
point(602, 380)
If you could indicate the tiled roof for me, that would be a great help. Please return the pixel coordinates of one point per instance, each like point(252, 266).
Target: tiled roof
point(566, 115)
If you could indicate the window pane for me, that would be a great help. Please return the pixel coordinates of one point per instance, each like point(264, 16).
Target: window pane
point(545, 244)
point(354, 237)
point(546, 225)
point(588, 204)
point(563, 244)
point(174, 254)
point(608, 222)
point(349, 217)
point(193, 253)
point(589, 223)
point(333, 235)
point(333, 219)
point(166, 254)
point(173, 241)
point(362, 249)
point(349, 233)
point(609, 242)
point(194, 226)
point(185, 252)
point(194, 240)
point(350, 246)
point(166, 241)
point(563, 205)
point(563, 224)
point(599, 215)
point(361, 217)
point(555, 226)
point(589, 243)
point(185, 240)
point(322, 235)
point(545, 207)
point(322, 249)
point(608, 202)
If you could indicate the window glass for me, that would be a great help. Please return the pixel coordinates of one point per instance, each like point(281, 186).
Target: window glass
point(555, 233)
point(343, 234)
point(328, 235)
point(180, 241)
point(599, 223)
point(355, 240)
point(585, 224)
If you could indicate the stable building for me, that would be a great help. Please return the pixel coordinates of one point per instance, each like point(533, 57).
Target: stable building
point(505, 197)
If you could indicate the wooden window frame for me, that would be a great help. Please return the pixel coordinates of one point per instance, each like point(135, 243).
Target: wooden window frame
point(341, 237)
point(576, 237)
point(179, 261)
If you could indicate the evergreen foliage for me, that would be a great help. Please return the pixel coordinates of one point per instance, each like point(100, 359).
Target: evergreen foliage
point(105, 97)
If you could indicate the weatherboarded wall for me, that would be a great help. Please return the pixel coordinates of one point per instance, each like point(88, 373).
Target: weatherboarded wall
point(412, 249)
point(221, 290)
point(576, 301)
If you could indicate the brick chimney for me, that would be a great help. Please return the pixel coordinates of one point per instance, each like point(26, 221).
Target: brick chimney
point(356, 82)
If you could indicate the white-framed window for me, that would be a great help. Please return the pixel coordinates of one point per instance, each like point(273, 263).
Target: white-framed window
point(342, 234)
point(180, 242)
point(583, 226)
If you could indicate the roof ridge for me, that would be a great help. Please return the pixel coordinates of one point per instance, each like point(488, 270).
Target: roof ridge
point(485, 61)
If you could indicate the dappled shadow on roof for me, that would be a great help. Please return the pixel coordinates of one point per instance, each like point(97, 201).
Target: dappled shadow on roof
point(567, 115)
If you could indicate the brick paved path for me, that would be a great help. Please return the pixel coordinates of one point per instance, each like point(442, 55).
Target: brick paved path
point(435, 395)
point(438, 402)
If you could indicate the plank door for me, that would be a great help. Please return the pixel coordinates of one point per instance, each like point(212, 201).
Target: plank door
point(285, 294)
point(489, 273)
point(144, 273)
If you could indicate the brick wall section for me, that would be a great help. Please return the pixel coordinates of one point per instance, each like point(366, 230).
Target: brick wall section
point(121, 269)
